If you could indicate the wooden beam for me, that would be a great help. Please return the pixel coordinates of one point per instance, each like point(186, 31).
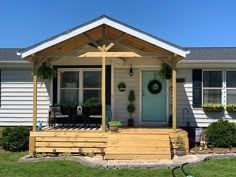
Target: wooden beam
point(114, 42)
point(39, 63)
point(168, 60)
point(110, 54)
point(93, 41)
point(104, 91)
point(31, 146)
point(174, 100)
point(35, 96)
point(157, 55)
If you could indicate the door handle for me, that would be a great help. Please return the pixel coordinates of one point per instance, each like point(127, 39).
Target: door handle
point(143, 92)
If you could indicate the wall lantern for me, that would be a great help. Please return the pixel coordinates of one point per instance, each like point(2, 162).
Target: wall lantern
point(131, 73)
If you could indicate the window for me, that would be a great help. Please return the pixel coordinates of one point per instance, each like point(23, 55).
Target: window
point(92, 85)
point(69, 87)
point(78, 85)
point(231, 87)
point(212, 87)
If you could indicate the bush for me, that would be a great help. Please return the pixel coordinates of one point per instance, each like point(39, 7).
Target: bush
point(15, 139)
point(221, 134)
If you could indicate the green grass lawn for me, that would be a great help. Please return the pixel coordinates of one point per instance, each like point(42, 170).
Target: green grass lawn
point(9, 167)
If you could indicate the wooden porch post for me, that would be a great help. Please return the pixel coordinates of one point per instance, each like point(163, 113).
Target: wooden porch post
point(35, 97)
point(174, 100)
point(103, 92)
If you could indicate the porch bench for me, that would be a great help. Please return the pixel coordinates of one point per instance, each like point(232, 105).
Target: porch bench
point(55, 114)
point(97, 119)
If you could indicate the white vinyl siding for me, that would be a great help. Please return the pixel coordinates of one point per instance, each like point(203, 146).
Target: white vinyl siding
point(121, 98)
point(196, 116)
point(17, 98)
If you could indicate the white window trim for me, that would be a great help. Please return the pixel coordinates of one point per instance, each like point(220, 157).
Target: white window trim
point(216, 88)
point(228, 88)
point(224, 87)
point(81, 88)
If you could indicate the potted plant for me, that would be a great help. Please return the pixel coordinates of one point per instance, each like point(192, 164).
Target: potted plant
point(121, 86)
point(210, 107)
point(45, 71)
point(93, 106)
point(131, 107)
point(165, 71)
point(231, 108)
point(180, 151)
point(114, 125)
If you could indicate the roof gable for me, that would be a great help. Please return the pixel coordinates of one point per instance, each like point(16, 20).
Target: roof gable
point(103, 20)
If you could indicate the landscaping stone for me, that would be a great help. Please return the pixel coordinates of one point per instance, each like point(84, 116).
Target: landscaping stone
point(98, 162)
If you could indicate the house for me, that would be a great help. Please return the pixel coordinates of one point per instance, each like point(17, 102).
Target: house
point(91, 60)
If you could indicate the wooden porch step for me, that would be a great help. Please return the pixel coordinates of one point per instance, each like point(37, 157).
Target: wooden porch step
point(137, 157)
point(123, 145)
point(69, 141)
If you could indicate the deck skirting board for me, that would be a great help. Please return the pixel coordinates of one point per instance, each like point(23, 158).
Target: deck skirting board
point(137, 144)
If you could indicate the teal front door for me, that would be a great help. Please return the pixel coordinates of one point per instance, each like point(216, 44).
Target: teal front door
point(153, 97)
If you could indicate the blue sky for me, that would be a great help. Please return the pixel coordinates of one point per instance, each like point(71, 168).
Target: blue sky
point(187, 23)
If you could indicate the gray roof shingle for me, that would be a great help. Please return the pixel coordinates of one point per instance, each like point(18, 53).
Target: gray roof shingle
point(9, 54)
point(196, 53)
point(212, 53)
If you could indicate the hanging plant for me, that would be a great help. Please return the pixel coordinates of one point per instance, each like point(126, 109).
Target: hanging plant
point(45, 71)
point(165, 71)
point(121, 86)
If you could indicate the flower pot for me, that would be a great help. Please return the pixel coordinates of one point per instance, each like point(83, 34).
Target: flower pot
point(231, 109)
point(122, 89)
point(130, 122)
point(180, 152)
point(213, 109)
point(113, 128)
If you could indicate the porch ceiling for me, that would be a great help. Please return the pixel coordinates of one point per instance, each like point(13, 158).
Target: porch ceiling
point(102, 33)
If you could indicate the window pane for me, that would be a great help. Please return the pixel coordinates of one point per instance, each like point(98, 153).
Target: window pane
point(92, 94)
point(231, 79)
point(212, 96)
point(69, 96)
point(231, 96)
point(70, 79)
point(92, 79)
point(212, 79)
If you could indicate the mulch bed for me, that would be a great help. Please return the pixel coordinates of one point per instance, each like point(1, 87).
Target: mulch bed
point(196, 150)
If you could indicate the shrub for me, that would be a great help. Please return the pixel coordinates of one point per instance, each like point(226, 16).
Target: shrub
point(15, 139)
point(221, 133)
point(180, 143)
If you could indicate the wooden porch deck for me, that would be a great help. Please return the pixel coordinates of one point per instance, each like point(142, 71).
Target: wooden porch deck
point(128, 143)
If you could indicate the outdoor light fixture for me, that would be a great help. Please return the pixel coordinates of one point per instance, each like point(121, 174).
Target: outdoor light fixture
point(131, 73)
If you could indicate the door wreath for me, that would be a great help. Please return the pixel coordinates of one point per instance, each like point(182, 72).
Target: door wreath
point(154, 86)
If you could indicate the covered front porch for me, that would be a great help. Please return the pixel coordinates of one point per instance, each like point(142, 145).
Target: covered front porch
point(91, 60)
point(128, 143)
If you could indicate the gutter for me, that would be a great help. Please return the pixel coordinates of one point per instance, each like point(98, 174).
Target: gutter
point(15, 64)
point(206, 64)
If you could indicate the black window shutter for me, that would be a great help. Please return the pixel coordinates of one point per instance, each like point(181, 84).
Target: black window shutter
point(197, 87)
point(0, 89)
point(108, 84)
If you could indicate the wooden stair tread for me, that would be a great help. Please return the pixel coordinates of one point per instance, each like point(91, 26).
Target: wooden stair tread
point(133, 145)
point(138, 157)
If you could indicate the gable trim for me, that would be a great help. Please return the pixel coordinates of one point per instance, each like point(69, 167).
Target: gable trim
point(97, 22)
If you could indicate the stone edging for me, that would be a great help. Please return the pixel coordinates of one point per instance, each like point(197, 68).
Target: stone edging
point(105, 165)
